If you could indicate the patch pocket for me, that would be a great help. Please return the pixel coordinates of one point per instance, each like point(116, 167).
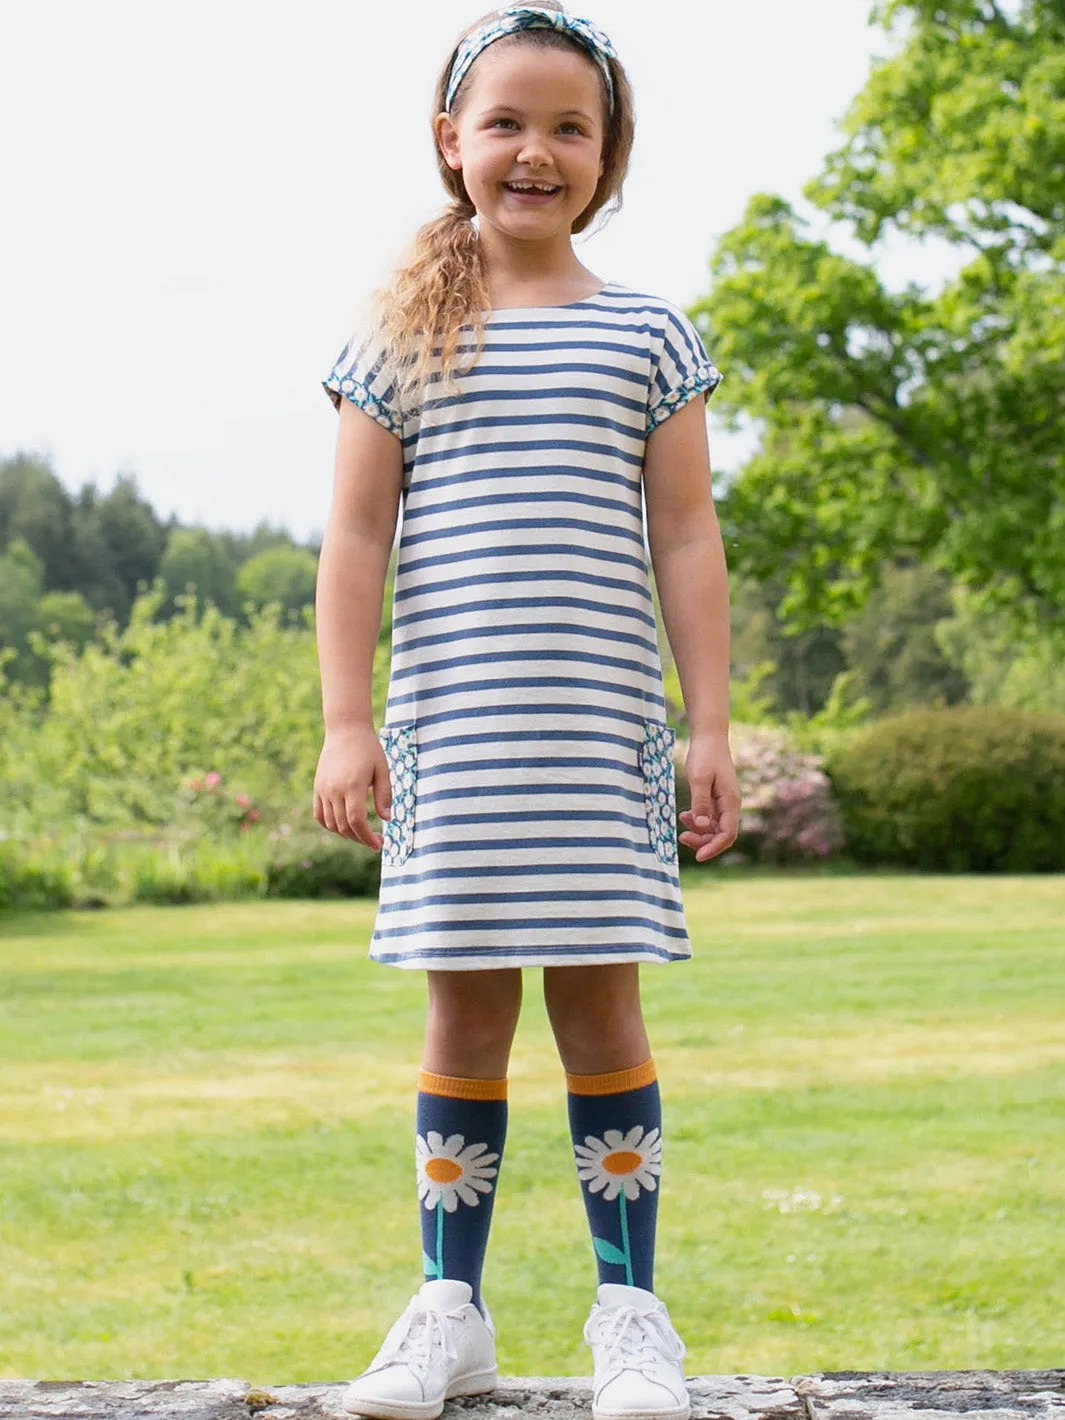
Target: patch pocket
point(660, 788)
point(400, 745)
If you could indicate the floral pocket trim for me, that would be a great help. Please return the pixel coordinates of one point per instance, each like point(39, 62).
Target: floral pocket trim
point(660, 788)
point(401, 750)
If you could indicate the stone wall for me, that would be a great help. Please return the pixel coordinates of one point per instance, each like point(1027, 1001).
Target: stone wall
point(829, 1395)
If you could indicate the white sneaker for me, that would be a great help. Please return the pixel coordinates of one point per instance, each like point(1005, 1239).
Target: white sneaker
point(637, 1355)
point(440, 1347)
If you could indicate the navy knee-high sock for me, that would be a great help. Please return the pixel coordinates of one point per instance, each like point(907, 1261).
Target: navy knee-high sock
point(616, 1126)
point(461, 1126)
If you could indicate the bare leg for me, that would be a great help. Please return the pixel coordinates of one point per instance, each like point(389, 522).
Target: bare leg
point(596, 1017)
point(470, 1022)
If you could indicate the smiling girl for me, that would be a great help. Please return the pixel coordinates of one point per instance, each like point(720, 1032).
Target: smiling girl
point(522, 411)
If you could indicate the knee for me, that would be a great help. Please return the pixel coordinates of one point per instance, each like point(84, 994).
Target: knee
point(596, 1017)
point(471, 1020)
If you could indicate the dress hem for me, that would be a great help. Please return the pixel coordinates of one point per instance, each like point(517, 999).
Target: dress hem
point(485, 963)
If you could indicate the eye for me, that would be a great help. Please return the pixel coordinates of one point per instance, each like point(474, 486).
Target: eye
point(500, 120)
point(570, 124)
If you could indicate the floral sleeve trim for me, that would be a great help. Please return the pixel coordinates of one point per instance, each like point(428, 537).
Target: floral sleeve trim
point(357, 394)
point(708, 379)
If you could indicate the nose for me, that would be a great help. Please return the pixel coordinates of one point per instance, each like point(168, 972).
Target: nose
point(534, 151)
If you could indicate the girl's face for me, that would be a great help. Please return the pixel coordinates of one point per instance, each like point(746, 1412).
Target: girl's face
point(530, 115)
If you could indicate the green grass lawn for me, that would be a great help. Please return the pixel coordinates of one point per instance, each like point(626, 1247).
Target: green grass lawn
point(206, 1128)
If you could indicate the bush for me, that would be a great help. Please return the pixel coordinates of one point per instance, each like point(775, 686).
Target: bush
point(178, 870)
point(787, 815)
point(139, 717)
point(960, 790)
point(314, 863)
point(116, 869)
point(27, 884)
point(88, 870)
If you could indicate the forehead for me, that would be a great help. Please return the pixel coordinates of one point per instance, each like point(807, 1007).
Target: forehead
point(529, 75)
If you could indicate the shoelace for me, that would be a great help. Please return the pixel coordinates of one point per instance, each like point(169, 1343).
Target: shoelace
point(425, 1329)
point(630, 1338)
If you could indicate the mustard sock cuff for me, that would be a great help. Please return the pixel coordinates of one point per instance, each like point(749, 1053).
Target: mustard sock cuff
point(614, 1083)
point(456, 1088)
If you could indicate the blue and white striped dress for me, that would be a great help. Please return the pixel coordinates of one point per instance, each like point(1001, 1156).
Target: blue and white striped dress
point(534, 806)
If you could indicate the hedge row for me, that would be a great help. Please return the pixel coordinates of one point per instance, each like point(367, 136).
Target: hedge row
point(87, 871)
point(971, 790)
point(961, 790)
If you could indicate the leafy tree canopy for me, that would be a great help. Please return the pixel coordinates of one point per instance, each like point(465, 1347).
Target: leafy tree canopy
point(908, 425)
point(282, 574)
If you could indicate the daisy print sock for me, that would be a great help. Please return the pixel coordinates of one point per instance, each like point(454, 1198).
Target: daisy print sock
point(461, 1127)
point(615, 1123)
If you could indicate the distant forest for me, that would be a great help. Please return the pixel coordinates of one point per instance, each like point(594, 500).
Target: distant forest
point(69, 562)
point(68, 559)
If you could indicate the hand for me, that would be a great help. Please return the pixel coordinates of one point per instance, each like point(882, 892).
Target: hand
point(713, 821)
point(351, 764)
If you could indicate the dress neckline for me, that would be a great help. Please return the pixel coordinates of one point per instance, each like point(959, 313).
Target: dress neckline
point(566, 306)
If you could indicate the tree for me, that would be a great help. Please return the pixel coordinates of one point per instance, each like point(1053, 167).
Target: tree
point(1026, 674)
point(804, 665)
point(893, 647)
point(284, 574)
point(65, 616)
point(133, 535)
point(21, 580)
point(25, 608)
point(195, 557)
point(35, 507)
point(904, 425)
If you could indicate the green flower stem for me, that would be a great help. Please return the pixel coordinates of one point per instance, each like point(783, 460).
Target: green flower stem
point(440, 1236)
point(625, 1239)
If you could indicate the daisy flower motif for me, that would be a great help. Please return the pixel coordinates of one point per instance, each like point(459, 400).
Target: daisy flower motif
point(450, 1169)
point(620, 1163)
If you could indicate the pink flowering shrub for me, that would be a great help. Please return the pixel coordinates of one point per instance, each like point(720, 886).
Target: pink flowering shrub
point(788, 813)
point(208, 806)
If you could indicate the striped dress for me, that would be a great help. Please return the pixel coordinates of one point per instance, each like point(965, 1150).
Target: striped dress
point(533, 795)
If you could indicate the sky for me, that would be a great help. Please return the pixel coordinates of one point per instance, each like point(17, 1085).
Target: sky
point(200, 199)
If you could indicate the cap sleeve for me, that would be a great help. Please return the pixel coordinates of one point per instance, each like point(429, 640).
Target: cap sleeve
point(681, 369)
point(359, 375)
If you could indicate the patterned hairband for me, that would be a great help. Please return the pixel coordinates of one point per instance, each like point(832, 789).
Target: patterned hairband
point(527, 17)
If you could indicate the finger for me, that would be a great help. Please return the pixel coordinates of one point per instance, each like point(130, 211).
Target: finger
point(717, 845)
point(730, 821)
point(316, 811)
point(328, 817)
point(382, 792)
point(358, 824)
point(344, 826)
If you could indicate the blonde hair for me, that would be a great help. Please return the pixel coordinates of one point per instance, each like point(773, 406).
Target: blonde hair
point(441, 283)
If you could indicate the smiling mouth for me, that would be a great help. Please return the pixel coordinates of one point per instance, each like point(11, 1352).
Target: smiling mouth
point(541, 189)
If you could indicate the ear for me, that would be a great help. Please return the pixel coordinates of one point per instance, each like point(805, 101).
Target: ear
point(447, 139)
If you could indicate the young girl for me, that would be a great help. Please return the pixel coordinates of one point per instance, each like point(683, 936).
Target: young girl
point(524, 773)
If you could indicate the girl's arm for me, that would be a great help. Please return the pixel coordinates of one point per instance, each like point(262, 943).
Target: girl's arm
point(352, 566)
point(688, 558)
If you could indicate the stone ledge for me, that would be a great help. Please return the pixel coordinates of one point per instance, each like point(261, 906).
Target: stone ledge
point(825, 1395)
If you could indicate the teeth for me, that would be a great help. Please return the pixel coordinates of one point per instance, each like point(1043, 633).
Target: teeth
point(533, 186)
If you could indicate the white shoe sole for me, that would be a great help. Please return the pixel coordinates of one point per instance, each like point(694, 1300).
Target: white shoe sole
point(476, 1383)
point(678, 1412)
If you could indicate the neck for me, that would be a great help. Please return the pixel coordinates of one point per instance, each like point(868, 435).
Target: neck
point(522, 265)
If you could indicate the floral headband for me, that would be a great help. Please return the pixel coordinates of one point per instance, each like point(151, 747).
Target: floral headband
point(527, 17)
